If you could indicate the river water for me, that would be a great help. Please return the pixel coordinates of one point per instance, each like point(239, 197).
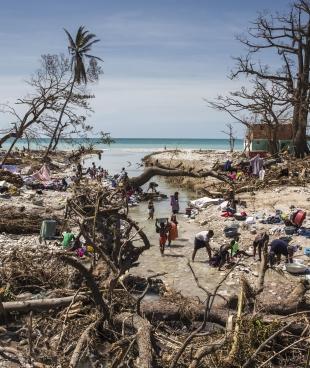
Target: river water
point(174, 263)
point(114, 160)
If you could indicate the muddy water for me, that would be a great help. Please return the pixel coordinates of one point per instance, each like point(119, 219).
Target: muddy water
point(175, 260)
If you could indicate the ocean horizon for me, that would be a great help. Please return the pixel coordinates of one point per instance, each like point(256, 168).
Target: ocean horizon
point(136, 144)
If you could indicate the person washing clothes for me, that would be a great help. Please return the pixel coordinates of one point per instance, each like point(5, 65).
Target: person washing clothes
point(235, 248)
point(202, 240)
point(68, 238)
point(279, 247)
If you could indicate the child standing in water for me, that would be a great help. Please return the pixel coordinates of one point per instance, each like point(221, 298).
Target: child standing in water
point(162, 229)
point(174, 202)
point(151, 209)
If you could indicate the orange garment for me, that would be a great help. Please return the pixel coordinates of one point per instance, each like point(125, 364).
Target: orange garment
point(173, 231)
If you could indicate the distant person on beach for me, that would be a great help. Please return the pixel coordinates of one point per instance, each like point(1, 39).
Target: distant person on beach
point(64, 184)
point(174, 202)
point(152, 187)
point(79, 171)
point(123, 172)
point(151, 209)
point(172, 229)
point(259, 243)
point(100, 174)
point(92, 171)
point(202, 240)
point(123, 175)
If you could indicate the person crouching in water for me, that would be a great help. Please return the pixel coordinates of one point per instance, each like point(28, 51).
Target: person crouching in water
point(259, 242)
point(280, 247)
point(162, 229)
point(202, 240)
point(151, 209)
point(228, 251)
point(173, 229)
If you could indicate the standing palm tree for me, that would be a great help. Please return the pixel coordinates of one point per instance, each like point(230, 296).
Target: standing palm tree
point(79, 51)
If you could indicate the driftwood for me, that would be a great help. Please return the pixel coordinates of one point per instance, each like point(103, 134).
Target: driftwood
point(143, 335)
point(40, 304)
point(19, 220)
point(74, 361)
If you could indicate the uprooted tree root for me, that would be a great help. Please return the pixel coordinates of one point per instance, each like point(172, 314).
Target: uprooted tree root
point(59, 310)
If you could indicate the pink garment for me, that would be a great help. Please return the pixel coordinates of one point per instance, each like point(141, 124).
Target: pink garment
point(43, 174)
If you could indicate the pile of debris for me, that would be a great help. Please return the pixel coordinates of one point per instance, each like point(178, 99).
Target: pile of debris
point(67, 309)
point(11, 178)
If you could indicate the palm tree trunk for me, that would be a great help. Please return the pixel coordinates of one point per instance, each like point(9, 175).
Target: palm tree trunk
point(59, 121)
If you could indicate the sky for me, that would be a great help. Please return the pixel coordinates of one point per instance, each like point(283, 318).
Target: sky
point(161, 58)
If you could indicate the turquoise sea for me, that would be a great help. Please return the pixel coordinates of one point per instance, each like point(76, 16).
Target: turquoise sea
point(128, 153)
point(142, 144)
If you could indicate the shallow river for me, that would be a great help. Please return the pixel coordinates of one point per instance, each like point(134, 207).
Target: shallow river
point(176, 257)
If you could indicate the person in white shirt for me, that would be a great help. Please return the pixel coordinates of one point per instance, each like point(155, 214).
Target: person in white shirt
point(202, 240)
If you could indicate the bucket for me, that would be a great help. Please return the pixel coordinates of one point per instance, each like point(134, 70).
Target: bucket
point(188, 211)
point(289, 230)
point(48, 229)
point(230, 232)
point(240, 217)
point(299, 218)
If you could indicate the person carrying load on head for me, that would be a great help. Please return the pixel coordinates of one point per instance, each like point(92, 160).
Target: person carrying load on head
point(162, 228)
point(202, 240)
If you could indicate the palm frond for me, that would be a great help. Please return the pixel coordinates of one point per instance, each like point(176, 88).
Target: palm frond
point(88, 37)
point(89, 44)
point(79, 35)
point(93, 57)
point(79, 50)
point(72, 44)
